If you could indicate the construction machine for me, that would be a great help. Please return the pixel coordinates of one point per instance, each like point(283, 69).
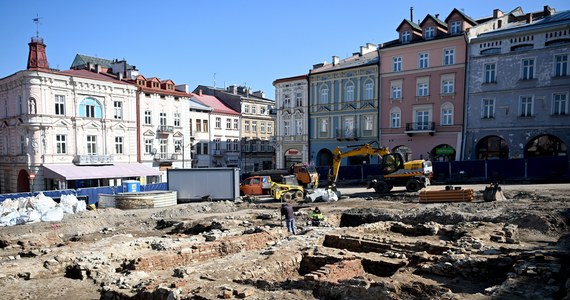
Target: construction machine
point(414, 174)
point(306, 174)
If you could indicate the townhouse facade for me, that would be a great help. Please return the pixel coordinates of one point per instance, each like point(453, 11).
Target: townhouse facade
point(66, 129)
point(220, 144)
point(257, 124)
point(343, 105)
point(518, 87)
point(292, 132)
point(422, 78)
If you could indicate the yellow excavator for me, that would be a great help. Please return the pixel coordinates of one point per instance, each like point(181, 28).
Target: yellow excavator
point(414, 175)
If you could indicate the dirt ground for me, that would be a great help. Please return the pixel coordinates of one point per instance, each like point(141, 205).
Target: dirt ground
point(370, 247)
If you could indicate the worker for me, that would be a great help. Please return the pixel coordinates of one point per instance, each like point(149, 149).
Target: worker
point(287, 212)
point(316, 217)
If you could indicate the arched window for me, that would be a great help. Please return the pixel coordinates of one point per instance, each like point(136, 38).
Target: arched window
point(90, 108)
point(545, 145)
point(492, 147)
point(324, 95)
point(349, 92)
point(395, 117)
point(369, 90)
point(447, 114)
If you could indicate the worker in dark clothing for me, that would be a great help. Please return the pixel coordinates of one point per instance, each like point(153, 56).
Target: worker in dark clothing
point(287, 212)
point(316, 217)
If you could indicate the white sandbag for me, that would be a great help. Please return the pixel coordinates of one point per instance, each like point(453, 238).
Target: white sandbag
point(9, 218)
point(9, 205)
point(81, 206)
point(315, 196)
point(34, 216)
point(68, 203)
point(53, 214)
point(330, 196)
point(42, 203)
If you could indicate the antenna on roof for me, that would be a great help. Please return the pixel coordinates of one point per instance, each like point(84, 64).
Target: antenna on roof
point(37, 21)
point(214, 80)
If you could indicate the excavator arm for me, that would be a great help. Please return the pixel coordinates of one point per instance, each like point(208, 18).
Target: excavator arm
point(338, 155)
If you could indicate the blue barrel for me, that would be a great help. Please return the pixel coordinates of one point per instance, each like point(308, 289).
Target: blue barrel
point(130, 186)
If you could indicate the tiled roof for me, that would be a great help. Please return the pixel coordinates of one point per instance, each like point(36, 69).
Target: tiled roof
point(356, 60)
point(81, 60)
point(562, 17)
point(465, 17)
point(215, 104)
point(92, 75)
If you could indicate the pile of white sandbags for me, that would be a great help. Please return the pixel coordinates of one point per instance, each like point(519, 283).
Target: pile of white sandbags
point(38, 208)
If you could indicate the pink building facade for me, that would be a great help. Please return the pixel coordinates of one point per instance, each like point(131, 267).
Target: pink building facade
point(422, 78)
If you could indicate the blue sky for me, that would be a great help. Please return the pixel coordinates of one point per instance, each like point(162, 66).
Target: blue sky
point(217, 42)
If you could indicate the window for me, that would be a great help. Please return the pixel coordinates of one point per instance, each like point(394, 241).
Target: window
point(205, 146)
point(286, 128)
point(205, 123)
point(246, 108)
point(324, 125)
point(91, 145)
point(429, 32)
point(254, 126)
point(262, 110)
point(298, 127)
point(235, 145)
point(396, 91)
point(229, 145)
point(455, 27)
point(350, 92)
point(395, 118)
point(405, 37)
point(397, 64)
point(262, 127)
point(560, 104)
point(60, 105)
point(368, 123)
point(20, 103)
point(162, 119)
point(217, 143)
point(488, 110)
point(60, 144)
point(90, 108)
point(198, 125)
point(236, 124)
point(218, 123)
point(527, 69)
point(147, 117)
point(228, 123)
point(526, 106)
point(287, 100)
point(299, 99)
point(447, 84)
point(490, 73)
point(423, 60)
point(254, 109)
point(324, 95)
point(561, 67)
point(177, 119)
point(422, 84)
point(247, 126)
point(118, 145)
point(422, 119)
point(23, 145)
point(447, 114)
point(270, 128)
point(369, 90)
point(147, 146)
point(448, 56)
point(199, 149)
point(348, 127)
point(118, 110)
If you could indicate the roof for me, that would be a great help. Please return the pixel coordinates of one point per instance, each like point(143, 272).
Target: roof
point(357, 60)
point(118, 170)
point(559, 18)
point(465, 17)
point(92, 75)
point(437, 20)
point(197, 105)
point(287, 79)
point(213, 102)
point(414, 26)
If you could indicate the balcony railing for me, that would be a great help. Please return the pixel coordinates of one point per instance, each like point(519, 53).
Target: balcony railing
point(93, 160)
point(420, 127)
point(347, 134)
point(164, 157)
point(163, 129)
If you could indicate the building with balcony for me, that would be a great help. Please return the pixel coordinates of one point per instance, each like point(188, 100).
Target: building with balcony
point(422, 87)
point(292, 116)
point(343, 105)
point(217, 141)
point(518, 86)
point(257, 124)
point(67, 129)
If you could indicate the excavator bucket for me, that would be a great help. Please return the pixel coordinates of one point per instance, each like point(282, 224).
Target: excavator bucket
point(493, 192)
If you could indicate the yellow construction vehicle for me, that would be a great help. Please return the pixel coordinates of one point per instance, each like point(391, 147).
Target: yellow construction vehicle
point(414, 174)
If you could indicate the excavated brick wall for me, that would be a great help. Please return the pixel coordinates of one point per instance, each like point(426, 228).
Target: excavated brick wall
point(337, 272)
point(201, 252)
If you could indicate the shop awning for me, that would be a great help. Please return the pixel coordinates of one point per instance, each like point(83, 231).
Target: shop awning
point(73, 172)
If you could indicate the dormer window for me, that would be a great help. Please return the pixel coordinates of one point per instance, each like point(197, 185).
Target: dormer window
point(405, 37)
point(429, 32)
point(455, 27)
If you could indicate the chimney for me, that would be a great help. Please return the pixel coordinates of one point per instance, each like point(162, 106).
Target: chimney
point(497, 13)
point(437, 16)
point(528, 18)
point(548, 11)
point(411, 14)
point(200, 92)
point(120, 74)
point(335, 60)
point(37, 58)
point(97, 68)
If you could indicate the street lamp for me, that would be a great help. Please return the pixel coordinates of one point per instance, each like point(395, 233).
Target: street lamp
point(32, 176)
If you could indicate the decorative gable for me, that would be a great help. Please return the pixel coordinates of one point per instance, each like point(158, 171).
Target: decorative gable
point(149, 133)
point(408, 31)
